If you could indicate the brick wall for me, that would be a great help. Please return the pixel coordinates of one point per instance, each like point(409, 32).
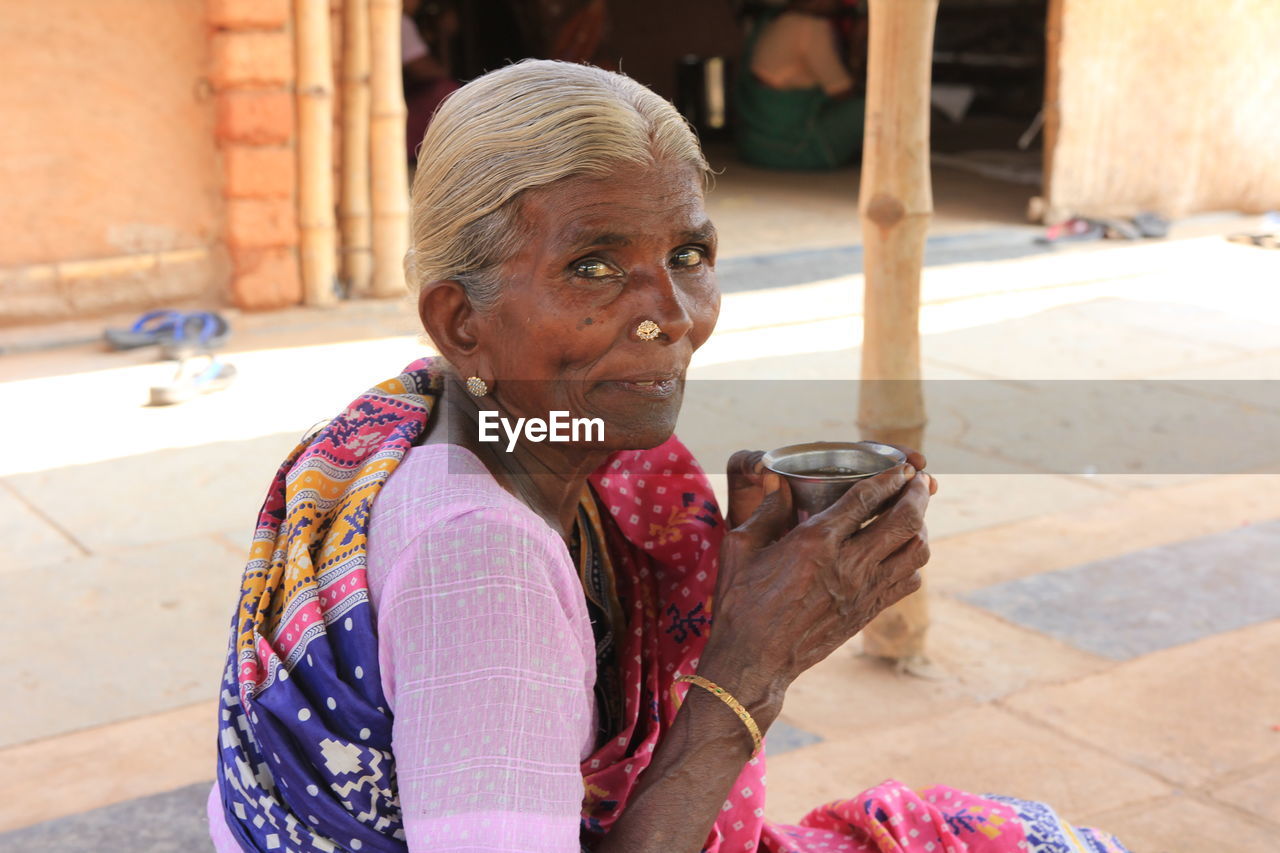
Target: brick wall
point(110, 178)
point(252, 75)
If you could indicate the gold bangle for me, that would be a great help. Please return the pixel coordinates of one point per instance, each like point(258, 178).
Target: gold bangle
point(727, 698)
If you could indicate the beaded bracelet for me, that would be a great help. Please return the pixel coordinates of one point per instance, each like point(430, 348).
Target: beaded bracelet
point(727, 698)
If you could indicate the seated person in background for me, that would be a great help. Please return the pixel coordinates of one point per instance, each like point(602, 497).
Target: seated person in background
point(428, 79)
point(796, 100)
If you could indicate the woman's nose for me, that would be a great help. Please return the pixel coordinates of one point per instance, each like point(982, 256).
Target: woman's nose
point(670, 306)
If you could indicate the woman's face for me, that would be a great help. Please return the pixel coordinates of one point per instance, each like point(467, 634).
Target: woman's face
point(601, 256)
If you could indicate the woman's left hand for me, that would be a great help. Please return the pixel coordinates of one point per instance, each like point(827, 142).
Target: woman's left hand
point(746, 481)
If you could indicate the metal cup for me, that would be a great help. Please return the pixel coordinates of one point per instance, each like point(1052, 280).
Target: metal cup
point(821, 471)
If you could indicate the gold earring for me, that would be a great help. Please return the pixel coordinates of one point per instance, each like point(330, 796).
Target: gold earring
point(648, 331)
point(477, 386)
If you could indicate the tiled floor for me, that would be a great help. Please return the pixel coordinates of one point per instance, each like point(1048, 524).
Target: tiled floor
point(1199, 715)
point(780, 269)
point(784, 737)
point(1144, 601)
point(172, 822)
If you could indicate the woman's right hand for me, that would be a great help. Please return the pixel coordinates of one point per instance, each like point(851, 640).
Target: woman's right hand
point(785, 599)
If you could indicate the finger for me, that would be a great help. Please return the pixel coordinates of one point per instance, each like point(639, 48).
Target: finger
point(914, 457)
point(910, 557)
point(902, 588)
point(866, 499)
point(902, 520)
point(745, 466)
point(773, 517)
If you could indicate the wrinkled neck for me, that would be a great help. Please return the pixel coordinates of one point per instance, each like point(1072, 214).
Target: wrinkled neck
point(546, 476)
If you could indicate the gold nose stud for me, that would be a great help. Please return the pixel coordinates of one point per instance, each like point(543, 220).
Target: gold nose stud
point(648, 331)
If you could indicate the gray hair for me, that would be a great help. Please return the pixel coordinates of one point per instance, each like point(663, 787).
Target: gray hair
point(515, 129)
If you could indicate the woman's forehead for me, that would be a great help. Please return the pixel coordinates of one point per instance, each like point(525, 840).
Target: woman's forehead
point(672, 230)
point(620, 206)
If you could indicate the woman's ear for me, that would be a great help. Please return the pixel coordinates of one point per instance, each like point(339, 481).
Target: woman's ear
point(453, 325)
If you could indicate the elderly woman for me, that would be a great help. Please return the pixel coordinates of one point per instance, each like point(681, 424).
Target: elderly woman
point(446, 643)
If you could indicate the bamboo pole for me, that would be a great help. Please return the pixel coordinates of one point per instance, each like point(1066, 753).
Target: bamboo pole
point(317, 244)
point(896, 203)
point(353, 212)
point(389, 159)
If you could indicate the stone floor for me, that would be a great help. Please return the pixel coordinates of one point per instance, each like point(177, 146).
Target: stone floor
point(1145, 601)
point(1107, 639)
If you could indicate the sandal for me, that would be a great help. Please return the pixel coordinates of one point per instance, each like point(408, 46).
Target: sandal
point(1151, 224)
point(187, 384)
point(149, 329)
point(1262, 241)
point(1073, 230)
point(193, 334)
point(1121, 229)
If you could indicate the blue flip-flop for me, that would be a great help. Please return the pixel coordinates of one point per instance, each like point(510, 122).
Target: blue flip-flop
point(149, 329)
point(193, 333)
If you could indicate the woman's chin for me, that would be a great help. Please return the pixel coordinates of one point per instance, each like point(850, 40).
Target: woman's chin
point(649, 440)
point(646, 430)
point(633, 435)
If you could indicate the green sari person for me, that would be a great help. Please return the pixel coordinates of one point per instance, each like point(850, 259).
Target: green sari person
point(795, 101)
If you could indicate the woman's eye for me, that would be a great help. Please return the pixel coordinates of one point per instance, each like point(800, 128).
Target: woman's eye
point(689, 256)
point(592, 268)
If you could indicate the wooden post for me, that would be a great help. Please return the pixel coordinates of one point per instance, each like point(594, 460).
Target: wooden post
point(317, 247)
point(353, 213)
point(1052, 103)
point(896, 203)
point(390, 160)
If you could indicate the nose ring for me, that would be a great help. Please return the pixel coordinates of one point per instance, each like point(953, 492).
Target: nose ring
point(648, 331)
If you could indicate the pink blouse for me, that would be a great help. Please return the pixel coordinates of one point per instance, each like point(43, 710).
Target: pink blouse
point(487, 659)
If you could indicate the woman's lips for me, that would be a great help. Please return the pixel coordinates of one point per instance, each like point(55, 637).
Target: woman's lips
point(654, 386)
